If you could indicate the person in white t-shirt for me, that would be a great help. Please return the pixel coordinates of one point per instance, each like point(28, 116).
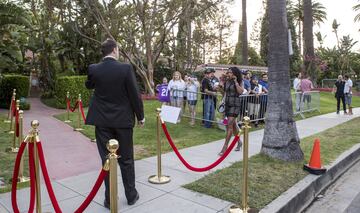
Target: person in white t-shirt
point(348, 93)
point(254, 100)
point(192, 87)
point(296, 86)
point(176, 87)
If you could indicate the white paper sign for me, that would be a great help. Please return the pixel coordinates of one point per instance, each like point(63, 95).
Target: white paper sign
point(170, 114)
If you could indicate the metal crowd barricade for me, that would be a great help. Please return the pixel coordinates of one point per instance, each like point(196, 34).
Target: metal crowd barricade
point(253, 106)
point(197, 98)
point(328, 83)
point(306, 102)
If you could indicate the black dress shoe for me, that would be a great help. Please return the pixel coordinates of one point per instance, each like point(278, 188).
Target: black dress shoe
point(106, 204)
point(134, 201)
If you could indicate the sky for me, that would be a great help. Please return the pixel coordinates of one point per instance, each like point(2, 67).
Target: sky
point(339, 10)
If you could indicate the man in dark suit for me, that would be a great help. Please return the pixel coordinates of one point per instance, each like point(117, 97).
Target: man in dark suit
point(114, 105)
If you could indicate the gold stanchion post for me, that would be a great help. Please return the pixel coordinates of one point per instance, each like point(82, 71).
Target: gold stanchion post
point(67, 108)
point(14, 148)
point(10, 108)
point(159, 178)
point(245, 186)
point(34, 138)
point(11, 131)
point(78, 128)
point(113, 146)
point(21, 178)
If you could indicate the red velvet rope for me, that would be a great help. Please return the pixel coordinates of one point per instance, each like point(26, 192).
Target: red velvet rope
point(69, 107)
point(93, 192)
point(57, 209)
point(15, 177)
point(13, 107)
point(82, 111)
point(47, 179)
point(17, 130)
point(195, 169)
point(32, 177)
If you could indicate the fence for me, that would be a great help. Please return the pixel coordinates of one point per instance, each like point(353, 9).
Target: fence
point(328, 83)
point(254, 106)
point(306, 102)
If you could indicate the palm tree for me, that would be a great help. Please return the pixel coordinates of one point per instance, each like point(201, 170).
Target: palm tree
point(356, 8)
point(244, 35)
point(309, 53)
point(297, 12)
point(281, 140)
point(10, 13)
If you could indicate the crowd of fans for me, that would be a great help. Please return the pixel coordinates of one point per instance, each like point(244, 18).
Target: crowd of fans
point(185, 92)
point(242, 94)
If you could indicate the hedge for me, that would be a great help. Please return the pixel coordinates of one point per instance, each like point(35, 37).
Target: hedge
point(10, 82)
point(73, 84)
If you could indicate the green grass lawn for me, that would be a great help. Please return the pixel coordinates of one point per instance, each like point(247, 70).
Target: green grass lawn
point(7, 159)
point(268, 178)
point(145, 138)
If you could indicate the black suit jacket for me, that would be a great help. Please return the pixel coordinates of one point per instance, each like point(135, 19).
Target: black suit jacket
point(116, 98)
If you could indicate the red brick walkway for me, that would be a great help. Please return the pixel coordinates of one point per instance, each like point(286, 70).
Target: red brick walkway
point(67, 153)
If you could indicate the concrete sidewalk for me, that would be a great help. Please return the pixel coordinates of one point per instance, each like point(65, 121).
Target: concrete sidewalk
point(170, 197)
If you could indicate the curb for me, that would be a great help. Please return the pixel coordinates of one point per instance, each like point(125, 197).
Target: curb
point(302, 194)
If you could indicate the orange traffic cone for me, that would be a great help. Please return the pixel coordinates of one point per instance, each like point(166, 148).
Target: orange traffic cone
point(314, 166)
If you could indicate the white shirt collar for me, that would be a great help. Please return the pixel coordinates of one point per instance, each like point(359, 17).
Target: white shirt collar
point(110, 56)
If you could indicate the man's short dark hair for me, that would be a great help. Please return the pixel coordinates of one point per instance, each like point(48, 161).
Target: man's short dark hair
point(262, 75)
point(108, 46)
point(346, 76)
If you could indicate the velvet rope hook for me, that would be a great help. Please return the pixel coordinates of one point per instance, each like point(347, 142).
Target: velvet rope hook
point(196, 169)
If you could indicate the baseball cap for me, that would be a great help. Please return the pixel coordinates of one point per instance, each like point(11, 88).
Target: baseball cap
point(244, 72)
point(207, 71)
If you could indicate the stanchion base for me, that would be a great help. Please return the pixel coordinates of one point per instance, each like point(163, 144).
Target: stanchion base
point(159, 180)
point(7, 121)
point(78, 129)
point(93, 140)
point(11, 132)
point(238, 209)
point(12, 149)
point(23, 179)
point(67, 121)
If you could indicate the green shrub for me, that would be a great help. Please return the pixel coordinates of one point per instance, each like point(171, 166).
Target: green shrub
point(73, 84)
point(25, 106)
point(10, 82)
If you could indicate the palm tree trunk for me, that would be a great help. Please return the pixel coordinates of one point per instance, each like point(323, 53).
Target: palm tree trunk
point(281, 140)
point(309, 41)
point(244, 50)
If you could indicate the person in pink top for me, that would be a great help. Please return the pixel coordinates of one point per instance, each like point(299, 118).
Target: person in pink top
point(306, 86)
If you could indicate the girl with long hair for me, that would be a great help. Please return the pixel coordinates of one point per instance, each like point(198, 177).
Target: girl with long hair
point(176, 87)
point(233, 88)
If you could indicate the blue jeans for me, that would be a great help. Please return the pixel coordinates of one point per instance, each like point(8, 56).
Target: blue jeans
point(208, 111)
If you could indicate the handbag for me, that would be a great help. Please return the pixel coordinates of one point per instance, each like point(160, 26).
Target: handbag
point(221, 107)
